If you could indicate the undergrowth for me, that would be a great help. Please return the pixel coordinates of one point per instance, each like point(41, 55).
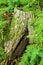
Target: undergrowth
point(33, 55)
point(37, 24)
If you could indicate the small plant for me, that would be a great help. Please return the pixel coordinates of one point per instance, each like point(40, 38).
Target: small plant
point(32, 55)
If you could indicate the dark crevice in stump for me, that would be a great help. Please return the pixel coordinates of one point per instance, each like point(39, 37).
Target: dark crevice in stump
point(20, 48)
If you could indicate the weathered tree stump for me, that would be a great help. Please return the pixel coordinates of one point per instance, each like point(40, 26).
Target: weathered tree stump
point(19, 23)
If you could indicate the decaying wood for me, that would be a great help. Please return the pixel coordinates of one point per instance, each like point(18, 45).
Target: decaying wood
point(18, 26)
point(21, 46)
point(30, 28)
point(19, 49)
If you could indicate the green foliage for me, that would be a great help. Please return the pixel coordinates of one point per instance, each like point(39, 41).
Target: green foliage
point(41, 62)
point(31, 5)
point(2, 54)
point(2, 26)
point(8, 5)
point(38, 32)
point(32, 55)
point(37, 23)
